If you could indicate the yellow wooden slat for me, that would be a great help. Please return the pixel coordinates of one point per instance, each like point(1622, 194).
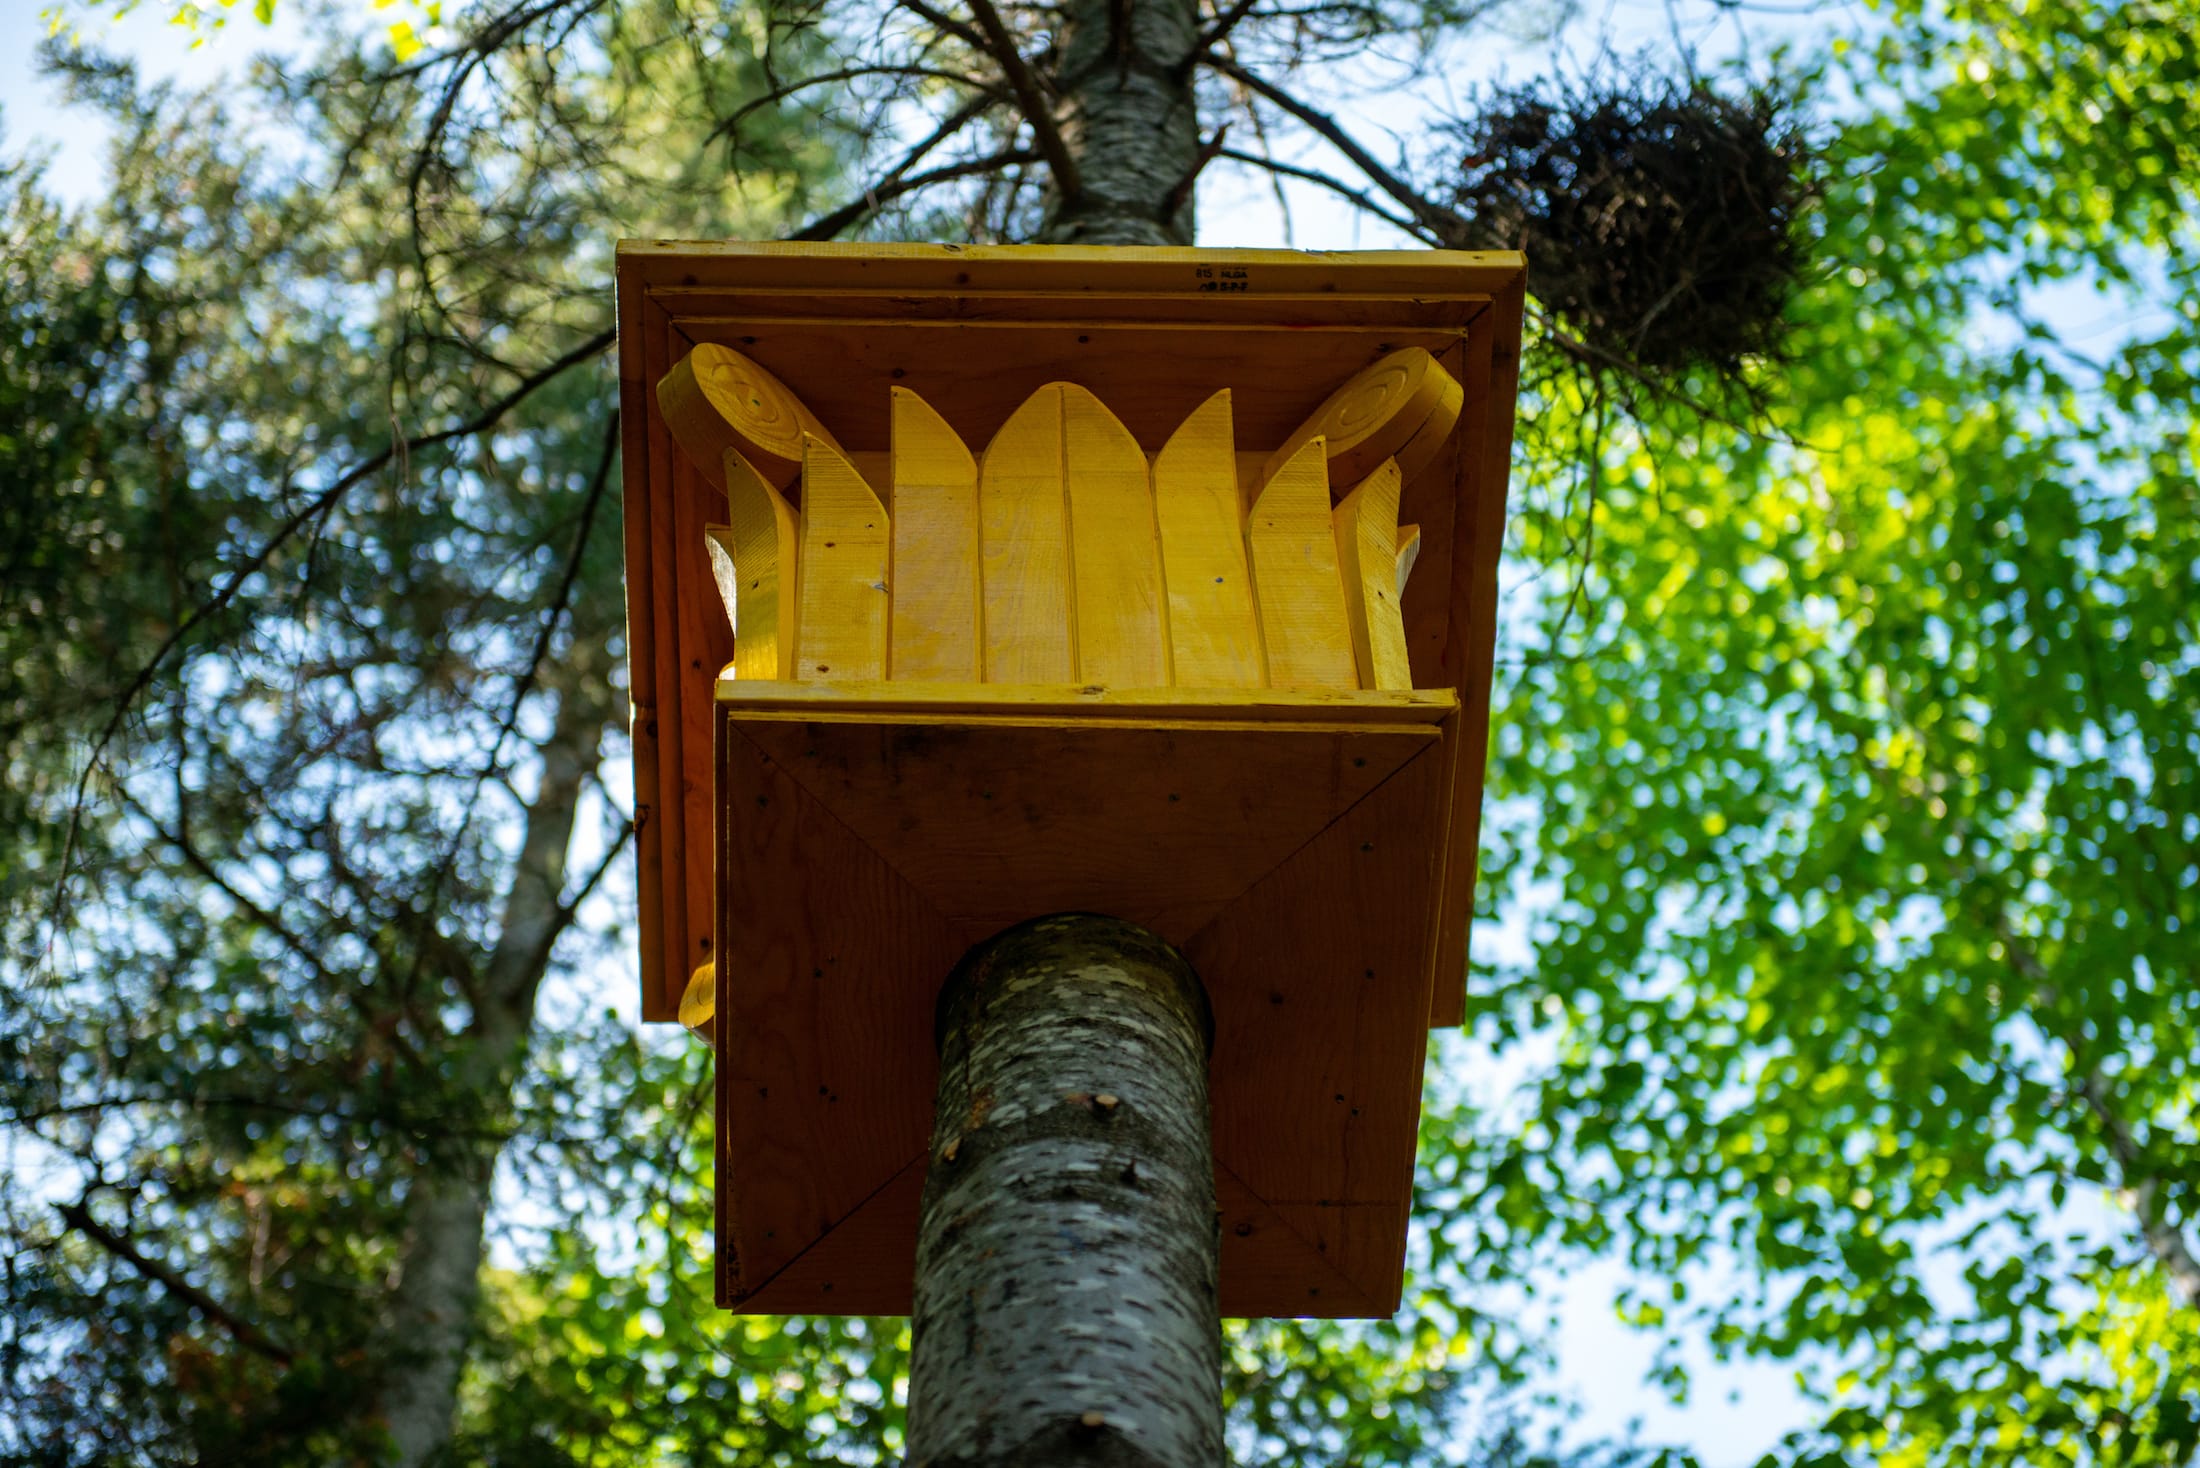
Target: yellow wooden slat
point(1023, 543)
point(762, 543)
point(1305, 638)
point(717, 401)
point(1367, 559)
point(1115, 557)
point(845, 537)
point(935, 631)
point(1402, 407)
point(1409, 552)
point(1214, 635)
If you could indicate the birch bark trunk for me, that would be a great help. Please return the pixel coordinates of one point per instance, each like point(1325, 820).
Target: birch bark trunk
point(1128, 115)
point(1065, 1306)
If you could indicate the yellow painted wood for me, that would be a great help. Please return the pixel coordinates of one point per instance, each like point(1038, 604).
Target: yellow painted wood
point(1402, 407)
point(1305, 637)
point(714, 400)
point(720, 538)
point(1214, 634)
point(1409, 551)
point(699, 1003)
point(845, 539)
point(897, 266)
point(1367, 558)
point(1073, 704)
point(1115, 555)
point(935, 632)
point(1023, 547)
point(763, 542)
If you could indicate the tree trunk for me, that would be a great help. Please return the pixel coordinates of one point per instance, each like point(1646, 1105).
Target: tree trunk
point(1129, 119)
point(430, 1319)
point(1065, 1305)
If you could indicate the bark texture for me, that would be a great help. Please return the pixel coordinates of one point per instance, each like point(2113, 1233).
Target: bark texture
point(1129, 118)
point(1066, 1251)
point(431, 1311)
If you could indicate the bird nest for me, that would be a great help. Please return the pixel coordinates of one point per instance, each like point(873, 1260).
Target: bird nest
point(1662, 222)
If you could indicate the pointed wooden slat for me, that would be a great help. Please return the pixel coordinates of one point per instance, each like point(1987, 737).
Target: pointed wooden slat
point(762, 543)
point(1402, 407)
point(1115, 555)
point(1305, 638)
point(1367, 559)
point(935, 632)
point(1023, 539)
point(1409, 552)
point(841, 634)
point(1214, 638)
point(715, 400)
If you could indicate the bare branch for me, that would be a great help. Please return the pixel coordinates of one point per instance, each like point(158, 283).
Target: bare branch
point(1225, 23)
point(1067, 181)
point(1444, 223)
point(320, 505)
point(1359, 197)
point(843, 218)
point(77, 1216)
point(883, 194)
point(942, 21)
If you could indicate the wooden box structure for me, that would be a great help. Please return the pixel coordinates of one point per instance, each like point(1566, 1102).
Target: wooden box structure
point(1040, 618)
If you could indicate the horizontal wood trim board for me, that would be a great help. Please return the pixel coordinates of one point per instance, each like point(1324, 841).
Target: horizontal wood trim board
point(877, 701)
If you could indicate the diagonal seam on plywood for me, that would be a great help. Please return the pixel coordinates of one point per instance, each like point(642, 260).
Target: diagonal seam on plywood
point(1315, 1262)
point(935, 856)
point(825, 1239)
point(729, 1206)
point(1339, 1194)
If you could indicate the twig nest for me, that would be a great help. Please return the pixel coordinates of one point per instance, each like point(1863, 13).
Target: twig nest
point(1661, 222)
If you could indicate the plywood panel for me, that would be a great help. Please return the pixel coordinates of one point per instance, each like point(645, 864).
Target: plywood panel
point(862, 1266)
point(1160, 824)
point(1270, 1268)
point(1023, 537)
point(935, 633)
point(824, 1016)
point(1308, 1124)
point(1214, 635)
point(1115, 555)
point(1306, 638)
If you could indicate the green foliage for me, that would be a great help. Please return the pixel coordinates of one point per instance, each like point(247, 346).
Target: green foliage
point(1859, 764)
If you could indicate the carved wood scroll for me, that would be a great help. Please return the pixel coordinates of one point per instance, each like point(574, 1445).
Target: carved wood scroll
point(1063, 553)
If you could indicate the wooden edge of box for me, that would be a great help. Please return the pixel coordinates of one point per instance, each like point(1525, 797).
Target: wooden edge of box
point(1080, 703)
point(1059, 269)
point(1471, 650)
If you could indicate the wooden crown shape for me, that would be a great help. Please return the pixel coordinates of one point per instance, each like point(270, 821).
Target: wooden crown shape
point(1063, 555)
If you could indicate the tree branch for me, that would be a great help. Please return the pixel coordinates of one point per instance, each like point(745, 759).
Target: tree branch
point(77, 1216)
point(320, 505)
point(1334, 185)
point(1446, 224)
point(883, 194)
point(1067, 181)
point(869, 203)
